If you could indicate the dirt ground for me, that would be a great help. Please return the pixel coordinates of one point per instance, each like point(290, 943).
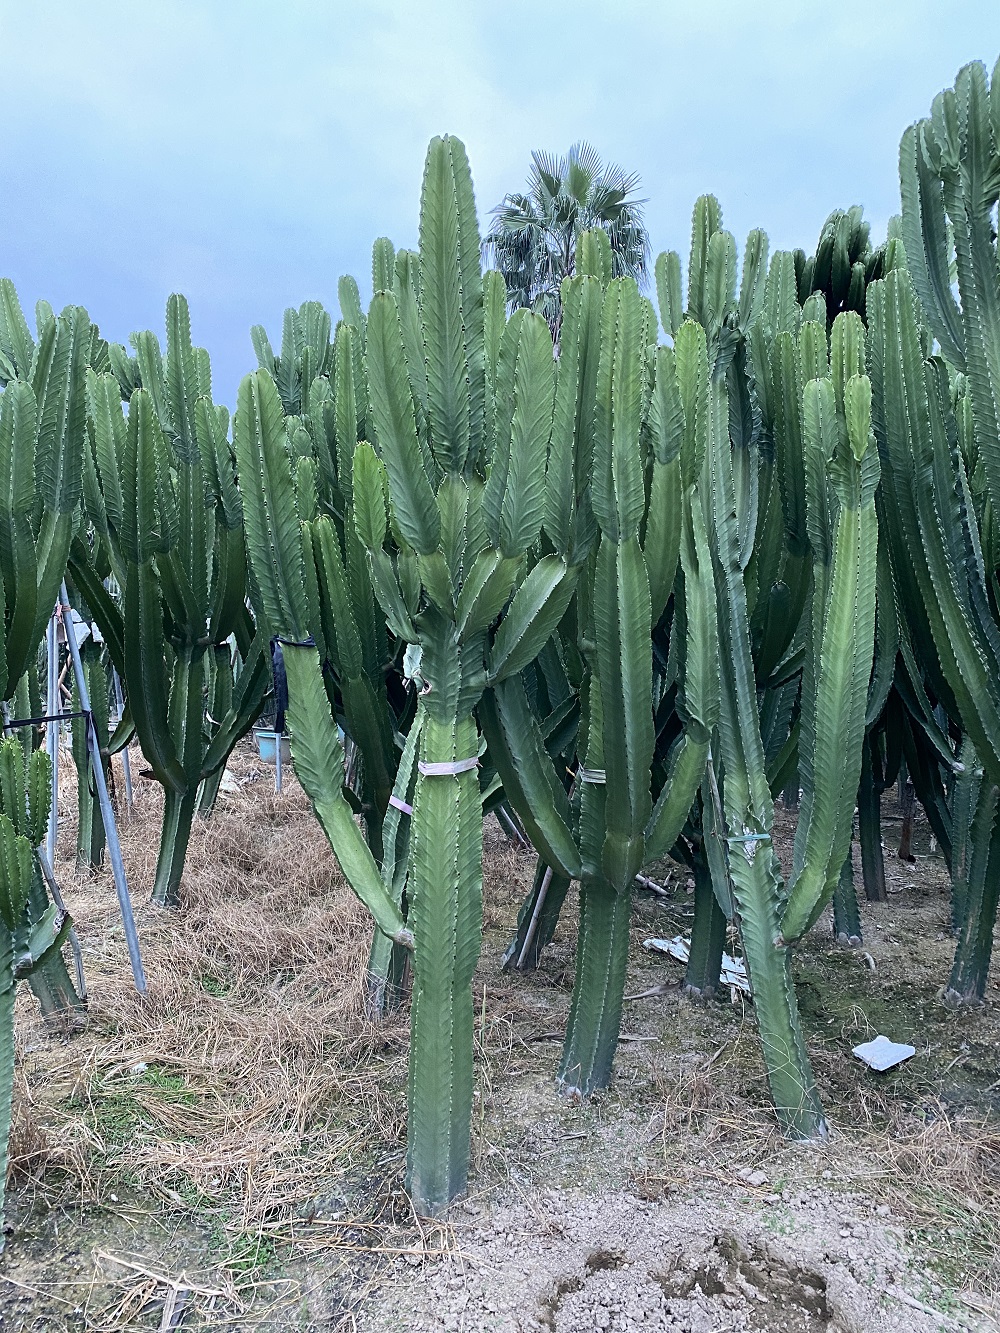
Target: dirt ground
point(228, 1151)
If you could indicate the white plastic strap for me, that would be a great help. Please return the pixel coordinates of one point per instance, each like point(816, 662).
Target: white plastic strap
point(397, 804)
point(448, 770)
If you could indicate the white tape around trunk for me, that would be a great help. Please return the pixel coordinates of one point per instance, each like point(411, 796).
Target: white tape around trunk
point(397, 804)
point(595, 775)
point(448, 770)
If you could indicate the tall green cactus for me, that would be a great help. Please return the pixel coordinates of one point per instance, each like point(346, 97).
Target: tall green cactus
point(166, 497)
point(26, 941)
point(462, 436)
point(617, 427)
point(42, 434)
point(839, 457)
point(938, 422)
point(935, 526)
point(360, 655)
point(788, 478)
point(42, 437)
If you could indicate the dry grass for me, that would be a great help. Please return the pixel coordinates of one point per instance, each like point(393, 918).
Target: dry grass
point(248, 1079)
point(249, 1089)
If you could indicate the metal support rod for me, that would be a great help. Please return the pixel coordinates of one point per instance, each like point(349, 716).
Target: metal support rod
point(107, 813)
point(126, 766)
point(529, 934)
point(52, 735)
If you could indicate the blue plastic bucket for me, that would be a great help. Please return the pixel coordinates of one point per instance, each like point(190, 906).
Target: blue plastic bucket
point(267, 744)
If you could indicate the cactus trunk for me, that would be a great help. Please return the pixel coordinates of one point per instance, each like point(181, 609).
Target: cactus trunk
point(846, 915)
point(980, 897)
point(178, 815)
point(708, 935)
point(446, 908)
point(596, 1012)
point(870, 831)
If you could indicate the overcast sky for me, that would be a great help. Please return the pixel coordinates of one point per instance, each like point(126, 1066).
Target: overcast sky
point(248, 153)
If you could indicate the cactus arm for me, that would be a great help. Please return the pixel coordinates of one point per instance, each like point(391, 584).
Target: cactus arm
point(912, 431)
point(968, 164)
point(386, 959)
point(414, 507)
point(701, 692)
point(248, 696)
point(319, 765)
point(16, 342)
point(834, 721)
point(536, 609)
point(102, 606)
point(977, 911)
point(842, 687)
point(445, 302)
point(269, 504)
point(662, 536)
point(59, 381)
point(529, 781)
point(522, 503)
point(572, 447)
point(142, 612)
point(485, 591)
point(18, 563)
point(705, 222)
point(668, 291)
point(622, 631)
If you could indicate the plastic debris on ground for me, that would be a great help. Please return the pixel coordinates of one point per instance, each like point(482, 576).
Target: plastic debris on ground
point(882, 1054)
point(734, 971)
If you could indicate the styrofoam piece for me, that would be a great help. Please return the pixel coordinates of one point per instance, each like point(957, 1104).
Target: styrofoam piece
point(882, 1054)
point(733, 973)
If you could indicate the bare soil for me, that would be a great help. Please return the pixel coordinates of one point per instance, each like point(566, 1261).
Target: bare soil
point(228, 1151)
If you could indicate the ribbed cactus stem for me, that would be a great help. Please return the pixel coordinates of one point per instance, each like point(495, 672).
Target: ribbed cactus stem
point(708, 935)
point(846, 916)
point(870, 830)
point(981, 896)
point(175, 832)
point(446, 909)
point(598, 989)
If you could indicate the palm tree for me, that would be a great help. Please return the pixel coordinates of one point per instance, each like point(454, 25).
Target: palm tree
point(532, 240)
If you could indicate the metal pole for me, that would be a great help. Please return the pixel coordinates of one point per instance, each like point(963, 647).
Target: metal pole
point(278, 738)
point(529, 934)
point(126, 766)
point(107, 813)
point(53, 709)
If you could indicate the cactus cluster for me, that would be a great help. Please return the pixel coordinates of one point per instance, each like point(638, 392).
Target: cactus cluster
point(628, 588)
